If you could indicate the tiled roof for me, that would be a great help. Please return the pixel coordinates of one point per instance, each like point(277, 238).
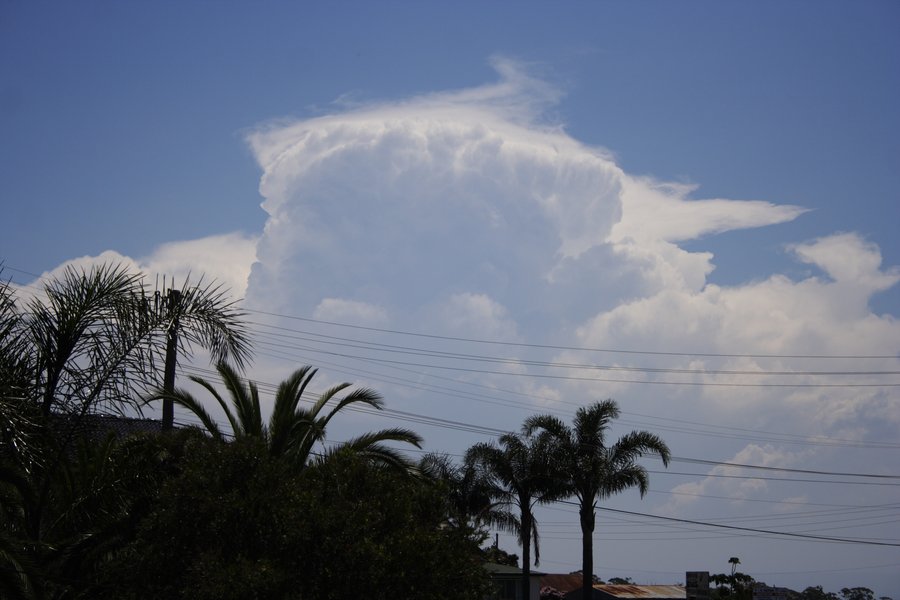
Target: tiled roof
point(642, 592)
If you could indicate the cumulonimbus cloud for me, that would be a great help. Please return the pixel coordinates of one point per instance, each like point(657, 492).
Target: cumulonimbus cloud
point(468, 211)
point(406, 203)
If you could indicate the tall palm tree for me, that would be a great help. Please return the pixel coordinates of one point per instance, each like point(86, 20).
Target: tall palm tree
point(293, 430)
point(596, 470)
point(520, 468)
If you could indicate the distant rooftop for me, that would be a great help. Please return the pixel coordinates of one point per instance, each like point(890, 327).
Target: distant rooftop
point(562, 582)
point(641, 592)
point(99, 426)
point(498, 569)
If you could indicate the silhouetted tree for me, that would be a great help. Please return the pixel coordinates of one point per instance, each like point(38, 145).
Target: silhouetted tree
point(293, 430)
point(521, 471)
point(594, 469)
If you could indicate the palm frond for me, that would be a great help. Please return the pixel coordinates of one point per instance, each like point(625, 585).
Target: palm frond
point(284, 415)
point(186, 400)
point(210, 318)
point(245, 400)
point(635, 444)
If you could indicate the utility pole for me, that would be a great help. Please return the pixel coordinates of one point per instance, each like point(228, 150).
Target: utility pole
point(172, 301)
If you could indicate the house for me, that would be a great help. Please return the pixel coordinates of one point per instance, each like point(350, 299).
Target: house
point(507, 582)
point(633, 592)
point(761, 591)
point(97, 427)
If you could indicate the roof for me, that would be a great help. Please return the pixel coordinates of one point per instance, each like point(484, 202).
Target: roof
point(99, 426)
point(676, 592)
point(562, 582)
point(498, 569)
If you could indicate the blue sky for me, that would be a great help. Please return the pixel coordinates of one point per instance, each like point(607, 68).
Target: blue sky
point(697, 177)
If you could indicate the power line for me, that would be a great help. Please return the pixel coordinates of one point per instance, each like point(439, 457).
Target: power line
point(471, 427)
point(415, 351)
point(580, 348)
point(423, 419)
point(603, 379)
point(749, 529)
point(757, 477)
point(576, 348)
point(784, 438)
point(779, 469)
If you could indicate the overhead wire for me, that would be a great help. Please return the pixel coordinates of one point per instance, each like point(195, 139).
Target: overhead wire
point(461, 369)
point(416, 351)
point(563, 347)
point(753, 530)
point(460, 425)
point(717, 432)
point(462, 356)
point(550, 364)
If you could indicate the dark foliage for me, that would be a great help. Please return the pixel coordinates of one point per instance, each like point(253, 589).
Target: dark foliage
point(237, 523)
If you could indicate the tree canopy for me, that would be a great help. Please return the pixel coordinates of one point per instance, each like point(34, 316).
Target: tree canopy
point(239, 523)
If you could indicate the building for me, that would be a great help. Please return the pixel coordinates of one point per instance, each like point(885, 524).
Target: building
point(761, 591)
point(507, 582)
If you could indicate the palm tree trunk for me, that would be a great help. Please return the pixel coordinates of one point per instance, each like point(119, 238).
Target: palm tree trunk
point(586, 512)
point(526, 554)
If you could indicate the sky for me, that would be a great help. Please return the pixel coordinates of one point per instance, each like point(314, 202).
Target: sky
point(488, 211)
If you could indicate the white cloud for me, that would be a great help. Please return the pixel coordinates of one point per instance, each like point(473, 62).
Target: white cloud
point(350, 311)
point(773, 316)
point(737, 483)
point(662, 211)
point(223, 259)
point(475, 316)
point(852, 264)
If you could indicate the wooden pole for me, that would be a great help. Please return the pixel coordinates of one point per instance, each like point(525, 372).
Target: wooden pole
point(173, 299)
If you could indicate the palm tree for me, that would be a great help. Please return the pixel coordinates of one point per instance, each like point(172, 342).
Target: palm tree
point(16, 369)
point(470, 499)
point(88, 339)
point(520, 471)
point(596, 470)
point(18, 577)
point(293, 430)
point(96, 336)
point(734, 561)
